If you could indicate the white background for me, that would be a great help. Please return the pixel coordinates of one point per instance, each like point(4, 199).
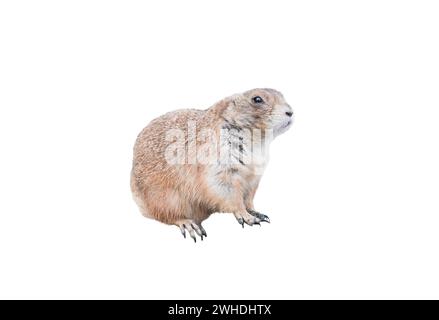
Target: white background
point(352, 189)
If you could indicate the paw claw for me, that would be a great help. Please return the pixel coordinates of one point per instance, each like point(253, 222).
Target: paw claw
point(192, 234)
point(260, 216)
point(193, 229)
point(183, 231)
point(246, 218)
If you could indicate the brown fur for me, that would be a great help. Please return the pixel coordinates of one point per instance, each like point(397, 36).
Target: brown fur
point(175, 193)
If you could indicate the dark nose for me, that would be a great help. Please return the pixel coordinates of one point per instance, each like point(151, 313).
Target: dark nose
point(290, 114)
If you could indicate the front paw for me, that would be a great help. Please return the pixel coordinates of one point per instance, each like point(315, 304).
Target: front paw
point(245, 217)
point(260, 216)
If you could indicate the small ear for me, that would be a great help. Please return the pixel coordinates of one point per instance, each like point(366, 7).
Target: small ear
point(238, 100)
point(223, 105)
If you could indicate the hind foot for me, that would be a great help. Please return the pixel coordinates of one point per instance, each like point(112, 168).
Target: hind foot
point(192, 228)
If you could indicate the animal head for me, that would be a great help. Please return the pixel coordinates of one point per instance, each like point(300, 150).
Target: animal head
point(264, 109)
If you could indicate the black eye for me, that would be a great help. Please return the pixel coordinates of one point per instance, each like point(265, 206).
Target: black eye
point(257, 99)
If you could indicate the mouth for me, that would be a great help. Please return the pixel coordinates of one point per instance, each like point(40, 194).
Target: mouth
point(287, 124)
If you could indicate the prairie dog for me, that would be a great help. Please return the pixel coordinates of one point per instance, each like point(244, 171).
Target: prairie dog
point(191, 163)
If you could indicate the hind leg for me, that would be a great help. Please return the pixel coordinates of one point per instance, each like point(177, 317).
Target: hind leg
point(170, 207)
point(193, 225)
